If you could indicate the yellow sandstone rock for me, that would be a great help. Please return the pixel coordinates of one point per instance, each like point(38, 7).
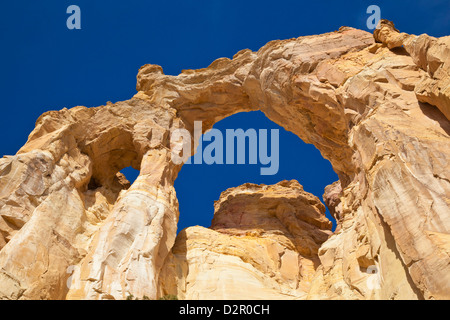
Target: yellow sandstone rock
point(376, 106)
point(262, 244)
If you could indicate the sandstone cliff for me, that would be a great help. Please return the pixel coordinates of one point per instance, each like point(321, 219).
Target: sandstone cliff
point(376, 106)
point(263, 244)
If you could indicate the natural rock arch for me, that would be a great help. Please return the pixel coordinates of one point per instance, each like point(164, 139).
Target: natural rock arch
point(201, 181)
point(362, 102)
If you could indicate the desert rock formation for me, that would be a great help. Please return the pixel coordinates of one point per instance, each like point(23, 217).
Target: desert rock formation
point(263, 244)
point(376, 106)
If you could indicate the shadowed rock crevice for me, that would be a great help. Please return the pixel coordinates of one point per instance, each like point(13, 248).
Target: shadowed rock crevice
point(390, 242)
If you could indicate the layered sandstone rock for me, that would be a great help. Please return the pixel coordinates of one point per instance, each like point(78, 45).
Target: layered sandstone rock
point(263, 244)
point(376, 107)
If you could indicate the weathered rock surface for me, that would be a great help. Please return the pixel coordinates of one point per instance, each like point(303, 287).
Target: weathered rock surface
point(263, 244)
point(376, 106)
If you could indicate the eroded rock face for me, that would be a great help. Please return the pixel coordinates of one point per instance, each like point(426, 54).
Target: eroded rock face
point(376, 106)
point(263, 244)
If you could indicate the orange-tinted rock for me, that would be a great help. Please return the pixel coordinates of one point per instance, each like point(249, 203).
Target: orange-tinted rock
point(377, 109)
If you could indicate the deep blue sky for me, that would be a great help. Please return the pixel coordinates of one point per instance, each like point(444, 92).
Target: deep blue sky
point(44, 66)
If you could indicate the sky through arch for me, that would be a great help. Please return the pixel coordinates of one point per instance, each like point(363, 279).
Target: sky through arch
point(199, 185)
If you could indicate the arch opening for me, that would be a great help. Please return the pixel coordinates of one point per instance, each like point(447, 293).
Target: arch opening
point(130, 174)
point(198, 185)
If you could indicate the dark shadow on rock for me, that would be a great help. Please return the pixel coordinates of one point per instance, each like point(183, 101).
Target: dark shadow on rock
point(435, 114)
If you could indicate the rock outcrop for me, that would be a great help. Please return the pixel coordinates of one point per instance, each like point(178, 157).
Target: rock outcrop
point(263, 244)
point(376, 106)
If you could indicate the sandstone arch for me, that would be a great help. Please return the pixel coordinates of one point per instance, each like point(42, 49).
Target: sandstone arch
point(365, 102)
